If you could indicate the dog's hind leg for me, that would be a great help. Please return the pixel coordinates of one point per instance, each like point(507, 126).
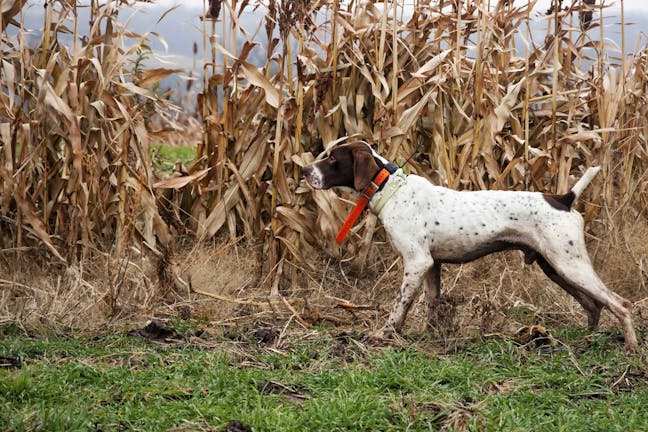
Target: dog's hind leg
point(591, 306)
point(579, 274)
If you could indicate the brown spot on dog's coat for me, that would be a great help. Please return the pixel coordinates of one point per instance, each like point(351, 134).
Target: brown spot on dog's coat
point(560, 202)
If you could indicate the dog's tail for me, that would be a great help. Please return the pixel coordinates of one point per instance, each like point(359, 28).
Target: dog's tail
point(584, 181)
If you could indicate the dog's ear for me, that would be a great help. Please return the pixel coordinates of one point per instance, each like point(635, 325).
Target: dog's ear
point(365, 167)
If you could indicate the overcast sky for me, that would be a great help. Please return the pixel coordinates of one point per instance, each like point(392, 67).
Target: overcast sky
point(182, 27)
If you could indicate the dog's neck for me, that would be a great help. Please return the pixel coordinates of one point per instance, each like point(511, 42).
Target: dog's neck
point(382, 197)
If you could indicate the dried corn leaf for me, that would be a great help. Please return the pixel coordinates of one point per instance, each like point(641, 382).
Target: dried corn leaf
point(252, 74)
point(154, 76)
point(180, 182)
point(218, 214)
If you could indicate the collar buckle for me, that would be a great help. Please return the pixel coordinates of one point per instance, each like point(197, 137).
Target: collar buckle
point(370, 190)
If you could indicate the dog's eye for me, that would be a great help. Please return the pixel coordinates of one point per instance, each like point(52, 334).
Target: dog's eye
point(331, 160)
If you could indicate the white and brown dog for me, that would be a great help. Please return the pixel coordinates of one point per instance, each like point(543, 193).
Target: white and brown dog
point(430, 225)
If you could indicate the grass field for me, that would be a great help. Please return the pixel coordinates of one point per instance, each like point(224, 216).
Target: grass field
point(269, 381)
point(165, 157)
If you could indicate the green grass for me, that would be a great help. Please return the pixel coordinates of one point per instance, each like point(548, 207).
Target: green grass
point(164, 157)
point(119, 382)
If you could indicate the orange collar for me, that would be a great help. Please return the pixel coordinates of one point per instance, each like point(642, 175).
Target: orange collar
point(367, 194)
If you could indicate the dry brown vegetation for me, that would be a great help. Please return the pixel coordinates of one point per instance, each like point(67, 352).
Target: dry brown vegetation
point(461, 83)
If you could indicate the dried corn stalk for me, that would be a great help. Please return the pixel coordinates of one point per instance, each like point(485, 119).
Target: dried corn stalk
point(74, 157)
point(397, 77)
point(462, 85)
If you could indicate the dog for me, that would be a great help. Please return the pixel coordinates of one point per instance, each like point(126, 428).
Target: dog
point(430, 225)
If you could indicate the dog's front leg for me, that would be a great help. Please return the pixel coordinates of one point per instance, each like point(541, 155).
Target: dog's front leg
point(415, 269)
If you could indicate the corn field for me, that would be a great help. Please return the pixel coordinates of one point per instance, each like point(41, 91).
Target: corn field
point(75, 163)
point(462, 86)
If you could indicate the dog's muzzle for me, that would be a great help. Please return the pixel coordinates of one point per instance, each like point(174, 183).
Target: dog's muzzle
point(313, 176)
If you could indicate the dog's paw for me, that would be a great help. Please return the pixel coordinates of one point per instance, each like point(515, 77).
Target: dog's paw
point(371, 339)
point(632, 351)
point(378, 338)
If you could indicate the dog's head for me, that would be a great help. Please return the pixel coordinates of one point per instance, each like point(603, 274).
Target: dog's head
point(351, 165)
